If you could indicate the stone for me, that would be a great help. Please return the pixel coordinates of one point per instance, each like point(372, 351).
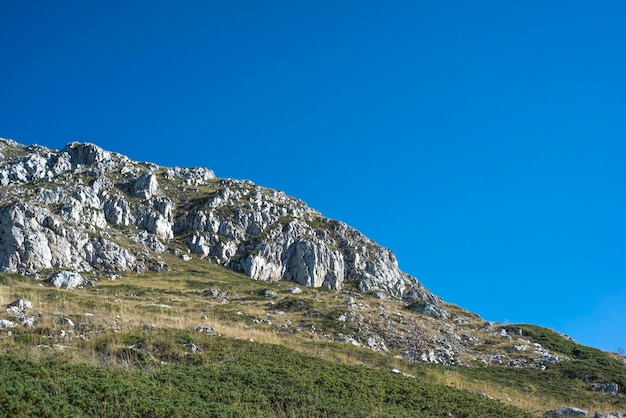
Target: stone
point(5, 323)
point(67, 280)
point(194, 176)
point(68, 322)
point(86, 154)
point(598, 387)
point(146, 186)
point(376, 343)
point(429, 309)
point(205, 329)
point(155, 223)
point(117, 211)
point(18, 308)
point(611, 388)
point(566, 412)
point(219, 295)
point(191, 347)
point(430, 357)
point(28, 322)
point(212, 293)
point(20, 305)
point(150, 241)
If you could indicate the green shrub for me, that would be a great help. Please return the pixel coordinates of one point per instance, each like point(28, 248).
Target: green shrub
point(238, 378)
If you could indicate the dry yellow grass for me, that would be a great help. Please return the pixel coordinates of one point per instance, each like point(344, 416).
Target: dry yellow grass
point(137, 303)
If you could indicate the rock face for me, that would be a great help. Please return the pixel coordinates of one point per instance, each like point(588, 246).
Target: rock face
point(87, 209)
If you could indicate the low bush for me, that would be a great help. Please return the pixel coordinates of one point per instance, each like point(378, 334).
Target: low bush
point(233, 378)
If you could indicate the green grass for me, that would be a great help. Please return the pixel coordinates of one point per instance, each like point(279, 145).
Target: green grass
point(122, 343)
point(597, 365)
point(229, 378)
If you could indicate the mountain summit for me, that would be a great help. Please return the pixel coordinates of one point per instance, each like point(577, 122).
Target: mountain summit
point(87, 209)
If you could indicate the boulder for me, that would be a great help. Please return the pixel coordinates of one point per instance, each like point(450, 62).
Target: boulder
point(205, 329)
point(429, 309)
point(5, 323)
point(567, 411)
point(20, 305)
point(67, 280)
point(612, 388)
point(28, 322)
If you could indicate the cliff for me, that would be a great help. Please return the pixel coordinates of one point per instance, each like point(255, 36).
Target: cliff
point(90, 210)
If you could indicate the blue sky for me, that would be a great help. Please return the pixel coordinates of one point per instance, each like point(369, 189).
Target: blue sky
point(483, 142)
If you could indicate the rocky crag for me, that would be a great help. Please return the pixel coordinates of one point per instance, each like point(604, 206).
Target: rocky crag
point(81, 214)
point(89, 210)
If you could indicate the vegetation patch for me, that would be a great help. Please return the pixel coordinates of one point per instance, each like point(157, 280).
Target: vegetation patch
point(290, 304)
point(239, 378)
point(586, 361)
point(265, 351)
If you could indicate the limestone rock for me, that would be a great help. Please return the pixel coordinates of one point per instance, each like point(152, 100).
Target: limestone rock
point(19, 307)
point(566, 412)
point(84, 208)
point(204, 329)
point(194, 176)
point(611, 388)
point(429, 309)
point(146, 186)
point(67, 280)
point(150, 241)
point(85, 154)
point(117, 211)
point(5, 323)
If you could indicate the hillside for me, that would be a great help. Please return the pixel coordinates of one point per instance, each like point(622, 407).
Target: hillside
point(150, 277)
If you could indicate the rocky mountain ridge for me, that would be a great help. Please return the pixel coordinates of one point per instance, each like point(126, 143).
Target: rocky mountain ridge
point(90, 210)
point(76, 216)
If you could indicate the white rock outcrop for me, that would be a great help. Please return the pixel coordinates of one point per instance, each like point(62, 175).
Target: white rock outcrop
point(67, 280)
point(81, 208)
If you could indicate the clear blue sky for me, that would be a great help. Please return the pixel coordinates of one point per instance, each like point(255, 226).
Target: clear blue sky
point(484, 142)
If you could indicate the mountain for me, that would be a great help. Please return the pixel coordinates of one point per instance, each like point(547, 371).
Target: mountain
point(88, 209)
point(155, 266)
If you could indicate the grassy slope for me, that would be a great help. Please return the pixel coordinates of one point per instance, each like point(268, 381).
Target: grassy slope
point(232, 378)
point(137, 360)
